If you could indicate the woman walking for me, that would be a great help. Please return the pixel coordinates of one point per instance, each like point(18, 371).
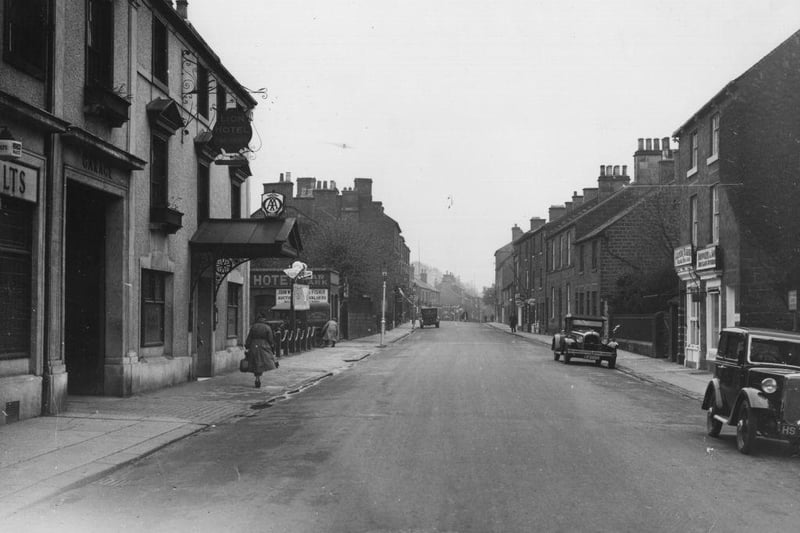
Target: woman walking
point(259, 348)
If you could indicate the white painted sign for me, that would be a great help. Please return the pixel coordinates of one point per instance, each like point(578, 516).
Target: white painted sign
point(19, 181)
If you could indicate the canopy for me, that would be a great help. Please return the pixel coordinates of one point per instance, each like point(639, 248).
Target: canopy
point(247, 238)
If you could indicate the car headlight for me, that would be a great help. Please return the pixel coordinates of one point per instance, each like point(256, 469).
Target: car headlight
point(769, 385)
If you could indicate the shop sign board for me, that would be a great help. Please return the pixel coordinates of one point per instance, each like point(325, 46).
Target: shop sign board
point(19, 181)
point(683, 256)
point(232, 131)
point(707, 258)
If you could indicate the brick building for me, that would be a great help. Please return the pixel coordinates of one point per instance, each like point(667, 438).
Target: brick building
point(738, 257)
point(319, 202)
point(572, 263)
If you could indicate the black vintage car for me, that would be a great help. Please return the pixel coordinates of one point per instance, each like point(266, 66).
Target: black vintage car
point(583, 338)
point(756, 386)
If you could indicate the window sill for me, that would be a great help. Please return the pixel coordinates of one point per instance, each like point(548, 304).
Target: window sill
point(106, 104)
point(713, 159)
point(691, 172)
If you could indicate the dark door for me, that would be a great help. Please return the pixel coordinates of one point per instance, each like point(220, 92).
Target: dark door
point(84, 289)
point(729, 366)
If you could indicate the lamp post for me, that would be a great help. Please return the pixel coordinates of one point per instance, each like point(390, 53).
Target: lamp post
point(383, 306)
point(297, 270)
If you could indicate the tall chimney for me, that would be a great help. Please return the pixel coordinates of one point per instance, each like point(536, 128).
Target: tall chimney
point(536, 223)
point(516, 232)
point(182, 7)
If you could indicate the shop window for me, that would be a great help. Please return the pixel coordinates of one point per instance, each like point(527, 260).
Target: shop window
point(15, 278)
point(693, 310)
point(160, 52)
point(713, 319)
point(25, 35)
point(153, 307)
point(234, 294)
point(100, 43)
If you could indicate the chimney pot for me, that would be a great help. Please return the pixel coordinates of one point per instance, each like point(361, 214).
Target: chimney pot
point(656, 146)
point(616, 170)
point(182, 7)
point(624, 170)
point(602, 170)
point(649, 144)
point(288, 176)
point(641, 144)
point(281, 178)
point(665, 143)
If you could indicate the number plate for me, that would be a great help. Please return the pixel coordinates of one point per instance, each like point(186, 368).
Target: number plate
point(788, 430)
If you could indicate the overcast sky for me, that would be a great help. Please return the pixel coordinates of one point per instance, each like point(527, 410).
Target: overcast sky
point(472, 116)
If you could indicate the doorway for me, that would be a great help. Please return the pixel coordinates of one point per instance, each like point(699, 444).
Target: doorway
point(84, 288)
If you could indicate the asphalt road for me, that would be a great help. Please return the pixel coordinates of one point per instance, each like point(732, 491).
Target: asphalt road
point(457, 429)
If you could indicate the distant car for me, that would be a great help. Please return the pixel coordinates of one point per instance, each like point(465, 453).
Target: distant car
point(582, 338)
point(429, 317)
point(756, 386)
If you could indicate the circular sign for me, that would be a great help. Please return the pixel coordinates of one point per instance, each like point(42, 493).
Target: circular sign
point(272, 204)
point(232, 132)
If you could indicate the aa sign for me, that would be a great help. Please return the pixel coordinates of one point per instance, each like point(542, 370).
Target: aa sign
point(301, 298)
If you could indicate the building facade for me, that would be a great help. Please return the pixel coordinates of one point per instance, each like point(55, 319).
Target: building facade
point(114, 289)
point(738, 258)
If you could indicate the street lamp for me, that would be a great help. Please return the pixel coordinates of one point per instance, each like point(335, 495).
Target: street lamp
point(383, 305)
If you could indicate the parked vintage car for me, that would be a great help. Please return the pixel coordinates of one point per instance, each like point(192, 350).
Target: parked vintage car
point(582, 337)
point(429, 316)
point(756, 386)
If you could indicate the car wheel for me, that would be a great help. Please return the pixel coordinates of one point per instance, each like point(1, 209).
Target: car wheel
point(713, 426)
point(612, 363)
point(746, 428)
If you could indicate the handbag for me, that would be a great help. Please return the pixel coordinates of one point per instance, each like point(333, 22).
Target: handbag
point(244, 365)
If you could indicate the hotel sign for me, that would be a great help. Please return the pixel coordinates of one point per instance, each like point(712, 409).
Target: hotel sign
point(707, 258)
point(311, 296)
point(18, 181)
point(683, 256)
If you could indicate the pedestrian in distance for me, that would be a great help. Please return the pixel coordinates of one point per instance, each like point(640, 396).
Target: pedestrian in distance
point(260, 349)
point(512, 320)
point(330, 333)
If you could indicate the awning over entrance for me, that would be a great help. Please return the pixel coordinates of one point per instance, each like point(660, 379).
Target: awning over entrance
point(247, 238)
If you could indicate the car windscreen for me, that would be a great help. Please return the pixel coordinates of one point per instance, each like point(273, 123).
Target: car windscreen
point(774, 351)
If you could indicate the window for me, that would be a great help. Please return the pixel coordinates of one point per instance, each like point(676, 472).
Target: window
point(552, 302)
point(202, 90)
point(236, 200)
point(222, 99)
point(25, 35)
point(153, 307)
point(234, 290)
point(713, 312)
point(693, 219)
point(100, 43)
point(553, 254)
point(561, 252)
point(580, 258)
point(569, 250)
point(16, 244)
point(159, 171)
point(715, 214)
point(595, 251)
point(160, 52)
point(595, 305)
point(714, 135)
point(569, 299)
point(693, 152)
point(693, 307)
point(203, 192)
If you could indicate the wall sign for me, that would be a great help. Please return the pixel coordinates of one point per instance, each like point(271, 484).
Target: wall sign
point(19, 181)
point(707, 258)
point(683, 256)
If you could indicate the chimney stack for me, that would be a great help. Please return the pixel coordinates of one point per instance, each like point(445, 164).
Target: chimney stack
point(182, 7)
point(576, 200)
point(555, 212)
point(536, 223)
point(516, 233)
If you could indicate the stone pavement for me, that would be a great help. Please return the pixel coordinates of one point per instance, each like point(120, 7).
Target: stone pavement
point(43, 456)
point(686, 381)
